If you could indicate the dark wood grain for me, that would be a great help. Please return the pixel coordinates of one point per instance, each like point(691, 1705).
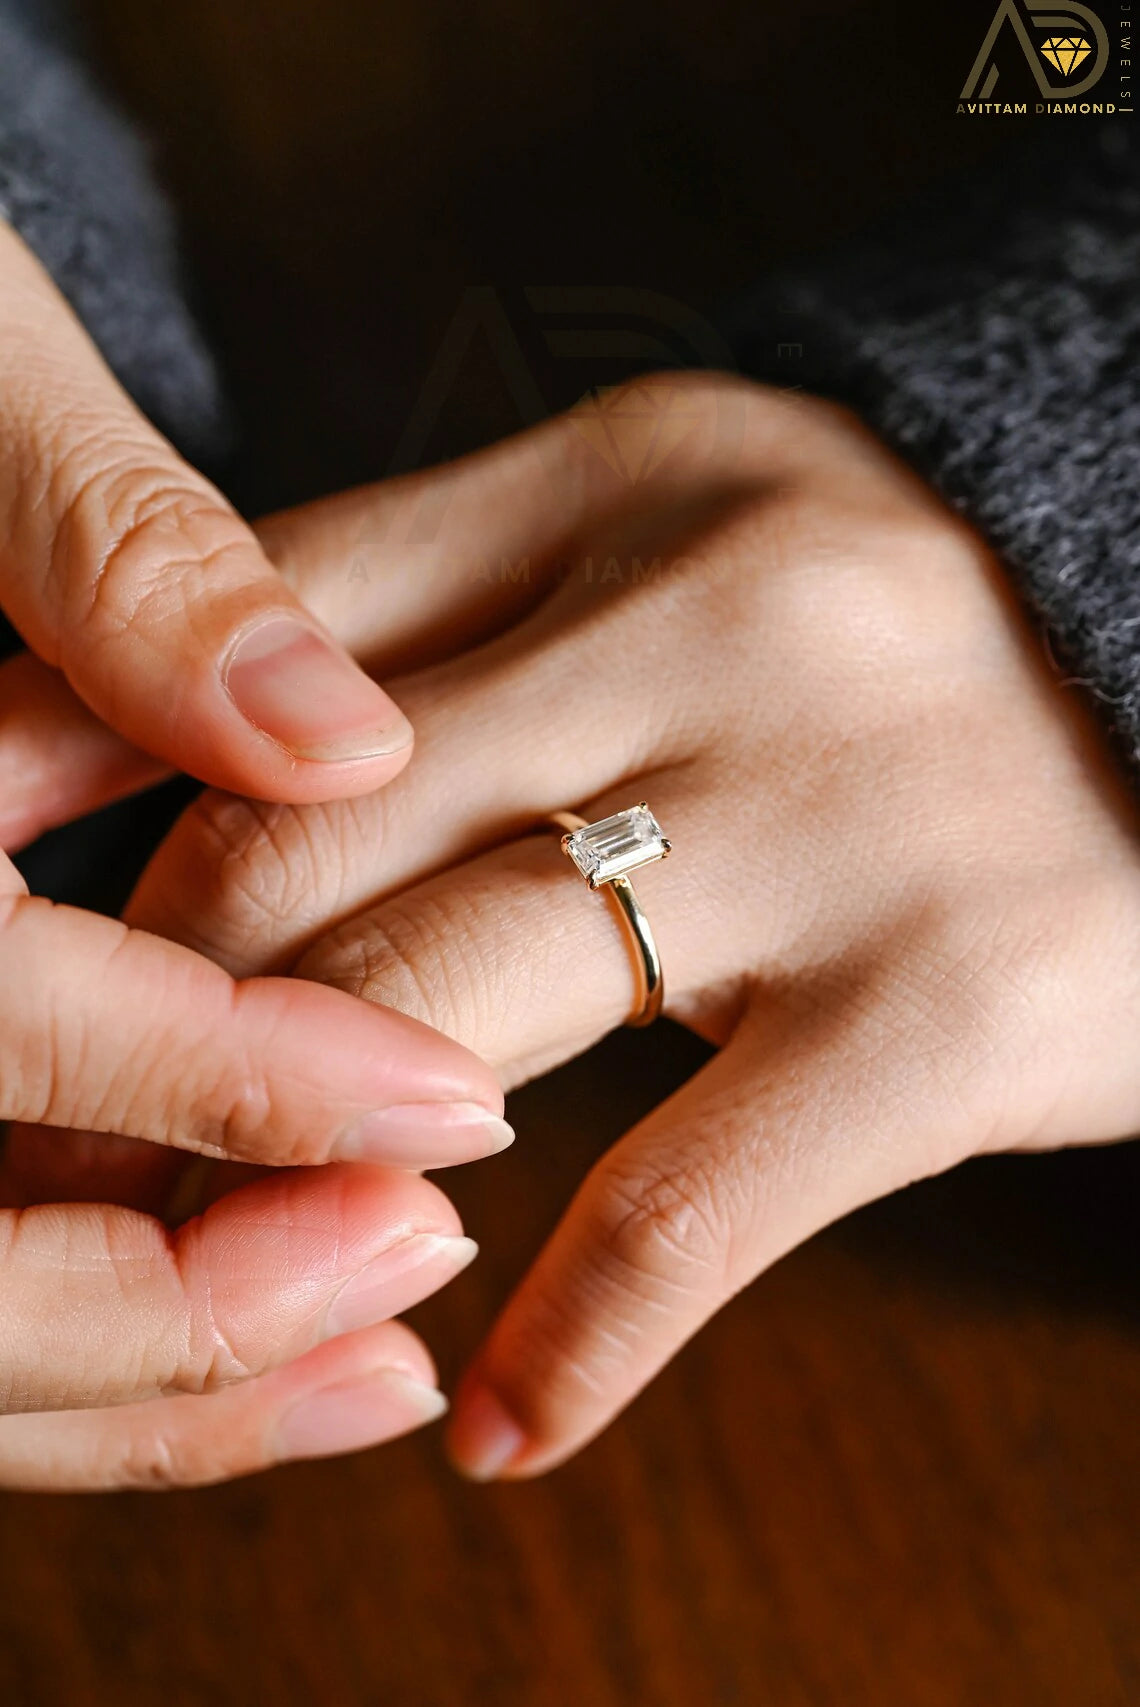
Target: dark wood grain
point(903, 1469)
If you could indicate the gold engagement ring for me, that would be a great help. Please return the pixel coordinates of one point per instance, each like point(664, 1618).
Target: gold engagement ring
point(605, 853)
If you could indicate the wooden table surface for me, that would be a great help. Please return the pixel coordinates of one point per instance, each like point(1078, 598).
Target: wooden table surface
point(903, 1469)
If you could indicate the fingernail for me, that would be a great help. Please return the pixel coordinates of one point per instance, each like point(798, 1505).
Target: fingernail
point(354, 1414)
point(423, 1134)
point(302, 689)
point(411, 1270)
point(484, 1439)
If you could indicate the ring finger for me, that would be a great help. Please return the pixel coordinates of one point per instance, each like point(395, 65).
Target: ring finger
point(512, 952)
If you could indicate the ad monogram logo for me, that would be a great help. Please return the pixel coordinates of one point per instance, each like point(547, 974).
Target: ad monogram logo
point(1076, 38)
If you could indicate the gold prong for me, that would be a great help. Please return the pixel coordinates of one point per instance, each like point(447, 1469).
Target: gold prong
point(592, 881)
point(644, 805)
point(566, 843)
point(666, 849)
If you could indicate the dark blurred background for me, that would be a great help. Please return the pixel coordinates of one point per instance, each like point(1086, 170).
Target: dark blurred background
point(348, 172)
point(903, 1470)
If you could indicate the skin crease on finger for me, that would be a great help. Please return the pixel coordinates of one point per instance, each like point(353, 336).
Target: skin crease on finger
point(904, 892)
point(103, 1306)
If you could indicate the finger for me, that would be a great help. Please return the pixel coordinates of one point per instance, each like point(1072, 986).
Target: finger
point(415, 570)
point(113, 1030)
point(127, 570)
point(57, 759)
point(412, 571)
point(777, 1137)
point(357, 1391)
point(512, 954)
point(102, 1306)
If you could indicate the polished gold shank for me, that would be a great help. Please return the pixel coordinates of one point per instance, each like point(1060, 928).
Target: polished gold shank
point(645, 961)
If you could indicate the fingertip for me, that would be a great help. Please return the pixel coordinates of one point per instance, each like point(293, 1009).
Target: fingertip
point(394, 1345)
point(427, 1135)
point(351, 1416)
point(484, 1443)
point(364, 1083)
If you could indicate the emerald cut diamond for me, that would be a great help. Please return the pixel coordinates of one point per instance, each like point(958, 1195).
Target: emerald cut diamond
point(615, 846)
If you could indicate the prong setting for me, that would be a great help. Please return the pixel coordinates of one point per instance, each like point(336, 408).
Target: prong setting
point(615, 846)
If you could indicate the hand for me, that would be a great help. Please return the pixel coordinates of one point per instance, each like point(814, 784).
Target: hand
point(160, 635)
point(149, 604)
point(101, 1306)
point(905, 893)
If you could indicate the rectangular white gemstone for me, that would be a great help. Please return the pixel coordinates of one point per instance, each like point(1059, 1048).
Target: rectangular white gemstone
point(616, 845)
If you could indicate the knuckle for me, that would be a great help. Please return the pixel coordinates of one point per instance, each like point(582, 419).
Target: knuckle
point(259, 853)
point(825, 414)
point(137, 539)
point(208, 1358)
point(664, 1230)
point(404, 958)
point(810, 423)
point(254, 1118)
point(237, 874)
point(154, 1461)
point(124, 521)
point(445, 958)
point(981, 978)
point(906, 605)
point(704, 398)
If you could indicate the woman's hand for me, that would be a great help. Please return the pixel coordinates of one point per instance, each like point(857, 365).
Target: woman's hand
point(147, 603)
point(905, 892)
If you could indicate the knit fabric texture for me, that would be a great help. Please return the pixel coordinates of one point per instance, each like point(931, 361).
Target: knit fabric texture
point(77, 184)
point(991, 334)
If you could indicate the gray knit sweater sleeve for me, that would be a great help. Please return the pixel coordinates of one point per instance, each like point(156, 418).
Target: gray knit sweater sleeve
point(992, 336)
point(75, 182)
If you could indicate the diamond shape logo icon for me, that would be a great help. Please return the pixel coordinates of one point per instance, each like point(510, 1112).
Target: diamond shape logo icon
point(635, 427)
point(1065, 52)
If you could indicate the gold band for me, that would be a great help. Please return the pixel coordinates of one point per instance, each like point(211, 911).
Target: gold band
point(649, 981)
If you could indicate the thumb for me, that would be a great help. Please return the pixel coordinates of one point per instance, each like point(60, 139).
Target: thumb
point(129, 572)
